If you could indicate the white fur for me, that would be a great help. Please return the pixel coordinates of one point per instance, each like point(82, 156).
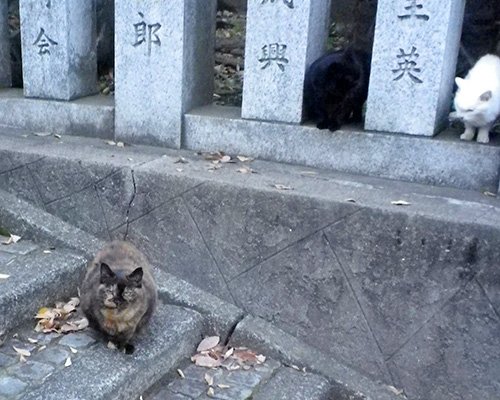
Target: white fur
point(482, 79)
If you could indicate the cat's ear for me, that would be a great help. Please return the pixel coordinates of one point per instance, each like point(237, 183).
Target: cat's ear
point(107, 275)
point(135, 277)
point(486, 96)
point(459, 82)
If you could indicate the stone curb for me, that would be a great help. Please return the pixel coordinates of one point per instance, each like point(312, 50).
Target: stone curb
point(263, 337)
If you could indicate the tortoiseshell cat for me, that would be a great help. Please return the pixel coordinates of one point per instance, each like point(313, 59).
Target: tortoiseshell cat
point(336, 87)
point(119, 293)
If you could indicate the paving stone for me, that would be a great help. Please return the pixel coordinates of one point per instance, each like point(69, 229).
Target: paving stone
point(289, 384)
point(6, 360)
point(46, 338)
point(248, 378)
point(77, 340)
point(232, 393)
point(188, 387)
point(11, 386)
point(9, 346)
point(5, 257)
point(31, 371)
point(168, 395)
point(53, 355)
point(20, 248)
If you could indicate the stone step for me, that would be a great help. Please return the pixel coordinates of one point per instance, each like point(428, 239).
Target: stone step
point(36, 276)
point(289, 384)
point(97, 372)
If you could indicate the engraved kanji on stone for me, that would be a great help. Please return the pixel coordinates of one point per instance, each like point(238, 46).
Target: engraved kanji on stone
point(44, 43)
point(407, 65)
point(288, 3)
point(276, 53)
point(413, 10)
point(146, 33)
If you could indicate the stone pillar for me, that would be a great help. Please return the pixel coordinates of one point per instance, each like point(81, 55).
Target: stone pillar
point(283, 38)
point(413, 65)
point(5, 73)
point(164, 66)
point(59, 48)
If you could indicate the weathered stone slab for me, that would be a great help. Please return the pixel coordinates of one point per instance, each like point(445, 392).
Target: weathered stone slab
point(59, 49)
point(164, 66)
point(5, 72)
point(455, 355)
point(283, 38)
point(413, 65)
point(303, 291)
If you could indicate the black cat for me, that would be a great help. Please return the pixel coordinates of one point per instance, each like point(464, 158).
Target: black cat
point(336, 87)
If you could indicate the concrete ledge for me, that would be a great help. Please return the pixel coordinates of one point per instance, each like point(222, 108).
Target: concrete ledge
point(263, 337)
point(91, 116)
point(443, 160)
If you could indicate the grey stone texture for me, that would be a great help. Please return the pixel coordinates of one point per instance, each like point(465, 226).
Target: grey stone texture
point(59, 49)
point(163, 67)
point(11, 386)
point(90, 116)
point(413, 65)
point(33, 280)
point(31, 370)
point(77, 340)
point(442, 161)
point(5, 71)
point(282, 39)
point(353, 283)
point(289, 384)
point(172, 337)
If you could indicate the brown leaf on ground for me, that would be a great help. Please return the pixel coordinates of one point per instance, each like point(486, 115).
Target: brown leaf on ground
point(282, 187)
point(22, 352)
point(63, 318)
point(208, 343)
point(244, 159)
point(4, 276)
point(11, 239)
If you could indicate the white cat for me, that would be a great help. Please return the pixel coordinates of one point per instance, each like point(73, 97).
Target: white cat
point(477, 101)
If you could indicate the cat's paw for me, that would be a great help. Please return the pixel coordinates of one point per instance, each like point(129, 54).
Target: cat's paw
point(483, 139)
point(128, 348)
point(322, 125)
point(467, 136)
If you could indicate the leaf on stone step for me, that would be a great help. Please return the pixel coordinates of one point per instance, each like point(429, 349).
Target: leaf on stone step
point(400, 203)
point(57, 136)
point(4, 276)
point(47, 252)
point(225, 159)
point(229, 353)
point(73, 350)
point(68, 362)
point(179, 169)
point(295, 367)
point(181, 160)
point(398, 392)
point(261, 359)
point(111, 142)
point(210, 392)
point(22, 359)
point(310, 173)
point(209, 379)
point(33, 341)
point(120, 144)
point(350, 200)
point(11, 239)
point(244, 170)
point(42, 134)
point(41, 348)
point(208, 343)
point(222, 386)
point(282, 187)
point(181, 374)
point(22, 352)
point(490, 194)
point(244, 159)
point(111, 346)
point(206, 361)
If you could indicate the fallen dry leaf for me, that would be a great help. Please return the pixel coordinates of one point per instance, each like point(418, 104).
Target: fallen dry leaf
point(33, 341)
point(22, 352)
point(350, 200)
point(41, 348)
point(22, 359)
point(47, 252)
point(244, 159)
point(229, 353)
point(120, 144)
point(490, 194)
point(398, 392)
point(68, 362)
point(111, 346)
point(4, 276)
point(309, 173)
point(11, 239)
point(295, 367)
point(244, 170)
point(225, 159)
point(62, 318)
point(111, 142)
point(209, 379)
point(181, 160)
point(206, 361)
point(210, 392)
point(222, 386)
point(282, 187)
point(73, 350)
point(15, 335)
point(400, 203)
point(181, 374)
point(179, 169)
point(208, 343)
point(57, 136)
point(42, 134)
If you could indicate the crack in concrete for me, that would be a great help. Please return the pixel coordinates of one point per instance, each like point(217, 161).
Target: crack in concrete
point(127, 220)
point(497, 312)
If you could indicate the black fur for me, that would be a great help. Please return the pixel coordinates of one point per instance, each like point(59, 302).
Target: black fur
point(336, 87)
